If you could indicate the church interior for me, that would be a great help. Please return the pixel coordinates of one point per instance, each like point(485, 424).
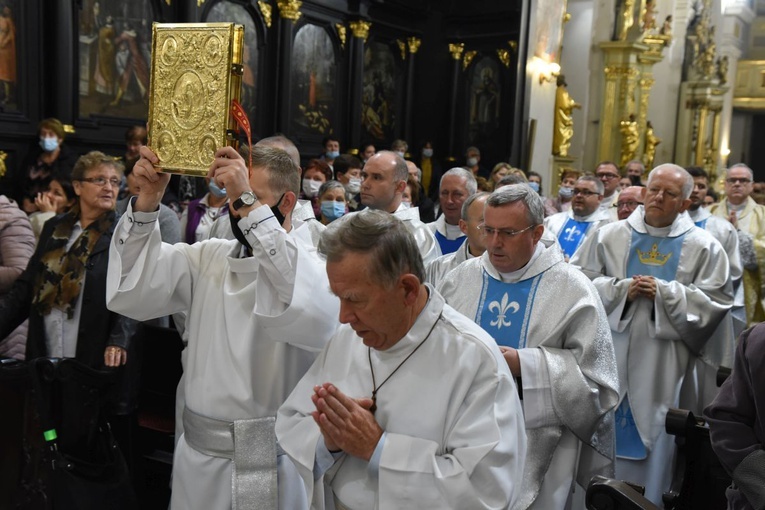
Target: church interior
point(547, 86)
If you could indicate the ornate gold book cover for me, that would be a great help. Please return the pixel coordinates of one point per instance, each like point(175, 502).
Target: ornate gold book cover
point(196, 71)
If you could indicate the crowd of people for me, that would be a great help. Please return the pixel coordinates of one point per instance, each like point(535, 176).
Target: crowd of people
point(374, 330)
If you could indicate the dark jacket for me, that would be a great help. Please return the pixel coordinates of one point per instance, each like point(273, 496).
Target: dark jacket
point(737, 423)
point(98, 327)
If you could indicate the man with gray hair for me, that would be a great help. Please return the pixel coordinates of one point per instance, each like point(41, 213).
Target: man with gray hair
point(666, 286)
point(383, 183)
point(748, 218)
point(378, 421)
point(473, 245)
point(550, 324)
point(456, 186)
point(583, 219)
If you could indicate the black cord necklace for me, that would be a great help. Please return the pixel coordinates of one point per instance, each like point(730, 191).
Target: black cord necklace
point(376, 388)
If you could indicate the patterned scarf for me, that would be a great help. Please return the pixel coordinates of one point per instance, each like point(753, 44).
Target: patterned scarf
point(59, 283)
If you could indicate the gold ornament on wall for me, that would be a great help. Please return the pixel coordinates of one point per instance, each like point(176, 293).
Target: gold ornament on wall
point(265, 10)
point(3, 168)
point(402, 48)
point(414, 44)
point(468, 58)
point(360, 29)
point(649, 149)
point(456, 50)
point(341, 33)
point(630, 139)
point(627, 18)
point(504, 57)
point(513, 45)
point(563, 125)
point(290, 9)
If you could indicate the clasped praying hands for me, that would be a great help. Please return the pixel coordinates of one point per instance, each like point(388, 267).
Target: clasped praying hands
point(346, 423)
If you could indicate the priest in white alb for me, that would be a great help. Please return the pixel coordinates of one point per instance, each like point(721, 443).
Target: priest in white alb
point(572, 227)
point(665, 284)
point(550, 324)
point(410, 405)
point(257, 310)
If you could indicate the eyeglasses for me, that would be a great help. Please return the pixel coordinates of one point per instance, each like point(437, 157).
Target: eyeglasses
point(503, 234)
point(584, 192)
point(739, 180)
point(102, 181)
point(630, 204)
point(607, 177)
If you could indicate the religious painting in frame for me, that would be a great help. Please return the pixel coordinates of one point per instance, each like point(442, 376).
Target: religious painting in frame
point(485, 100)
point(379, 93)
point(313, 77)
point(9, 56)
point(550, 15)
point(227, 11)
point(114, 48)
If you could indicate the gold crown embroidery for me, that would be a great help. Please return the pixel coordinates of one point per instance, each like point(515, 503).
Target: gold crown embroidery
point(653, 257)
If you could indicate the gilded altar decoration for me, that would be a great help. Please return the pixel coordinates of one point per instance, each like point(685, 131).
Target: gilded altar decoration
point(504, 56)
point(3, 168)
point(290, 9)
point(342, 33)
point(413, 43)
point(199, 3)
point(265, 11)
point(630, 139)
point(468, 58)
point(563, 126)
point(627, 16)
point(649, 16)
point(402, 48)
point(456, 50)
point(360, 29)
point(196, 73)
point(649, 148)
point(513, 45)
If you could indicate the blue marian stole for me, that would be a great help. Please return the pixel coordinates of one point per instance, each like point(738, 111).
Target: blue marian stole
point(571, 235)
point(504, 309)
point(648, 256)
point(702, 223)
point(448, 245)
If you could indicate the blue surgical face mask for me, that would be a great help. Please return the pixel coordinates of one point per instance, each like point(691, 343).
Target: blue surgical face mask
point(566, 192)
point(49, 143)
point(400, 153)
point(215, 190)
point(332, 154)
point(427, 153)
point(332, 209)
point(534, 186)
point(472, 162)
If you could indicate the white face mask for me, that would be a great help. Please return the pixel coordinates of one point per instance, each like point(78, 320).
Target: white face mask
point(406, 205)
point(311, 187)
point(354, 185)
point(472, 161)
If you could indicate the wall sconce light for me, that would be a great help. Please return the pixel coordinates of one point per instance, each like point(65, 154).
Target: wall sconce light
point(549, 72)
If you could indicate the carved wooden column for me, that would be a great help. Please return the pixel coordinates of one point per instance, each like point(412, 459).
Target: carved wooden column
point(289, 13)
point(413, 44)
point(456, 51)
point(59, 25)
point(360, 32)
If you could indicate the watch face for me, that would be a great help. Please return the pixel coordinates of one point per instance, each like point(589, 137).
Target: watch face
point(248, 197)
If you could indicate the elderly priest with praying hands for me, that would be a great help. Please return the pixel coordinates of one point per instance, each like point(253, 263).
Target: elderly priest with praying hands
point(410, 405)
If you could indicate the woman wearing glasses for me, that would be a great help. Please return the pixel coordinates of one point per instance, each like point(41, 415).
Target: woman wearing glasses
point(63, 288)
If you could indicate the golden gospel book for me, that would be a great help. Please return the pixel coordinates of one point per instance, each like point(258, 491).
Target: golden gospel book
point(196, 72)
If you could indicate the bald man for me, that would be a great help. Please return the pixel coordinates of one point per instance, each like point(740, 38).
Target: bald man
point(666, 286)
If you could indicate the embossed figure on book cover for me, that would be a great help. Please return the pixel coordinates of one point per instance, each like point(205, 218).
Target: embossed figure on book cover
point(196, 72)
